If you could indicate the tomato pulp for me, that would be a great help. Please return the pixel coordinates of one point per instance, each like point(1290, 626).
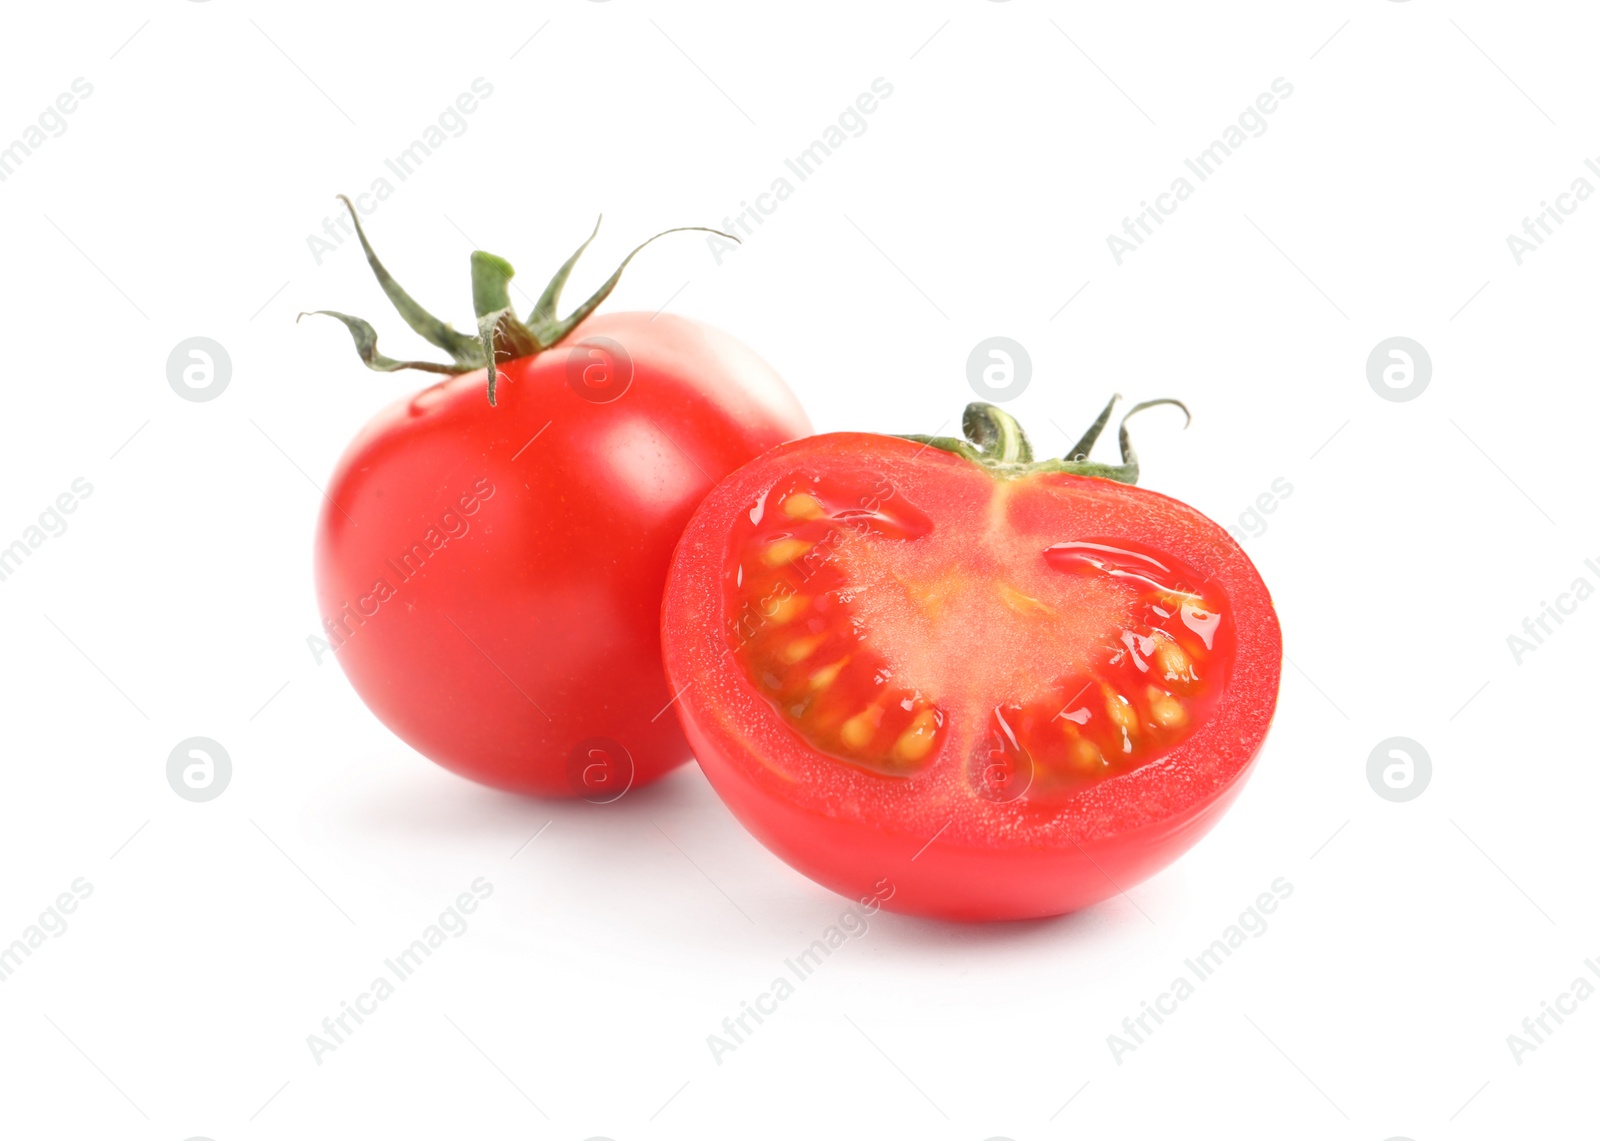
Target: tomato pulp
point(490, 577)
point(1009, 689)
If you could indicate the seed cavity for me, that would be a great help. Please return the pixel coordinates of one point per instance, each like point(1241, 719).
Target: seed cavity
point(857, 733)
point(785, 609)
point(1202, 620)
point(917, 742)
point(823, 678)
point(783, 551)
point(800, 649)
point(1085, 754)
point(1174, 665)
point(803, 506)
point(1166, 710)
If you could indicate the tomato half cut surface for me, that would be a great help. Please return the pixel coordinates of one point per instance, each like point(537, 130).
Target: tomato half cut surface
point(1008, 689)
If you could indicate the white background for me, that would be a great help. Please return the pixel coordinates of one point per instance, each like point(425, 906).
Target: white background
point(1418, 536)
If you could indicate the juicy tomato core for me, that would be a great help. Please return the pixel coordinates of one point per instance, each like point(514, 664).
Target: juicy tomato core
point(1050, 662)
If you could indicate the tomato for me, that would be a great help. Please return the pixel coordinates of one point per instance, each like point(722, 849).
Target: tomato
point(490, 577)
point(974, 685)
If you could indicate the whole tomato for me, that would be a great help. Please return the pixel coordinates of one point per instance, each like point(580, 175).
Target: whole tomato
point(965, 682)
point(490, 570)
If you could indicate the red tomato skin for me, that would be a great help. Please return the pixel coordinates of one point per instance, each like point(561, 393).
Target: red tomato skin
point(525, 621)
point(948, 881)
point(995, 863)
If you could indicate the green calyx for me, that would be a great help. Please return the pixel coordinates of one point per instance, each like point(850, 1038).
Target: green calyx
point(996, 442)
point(501, 335)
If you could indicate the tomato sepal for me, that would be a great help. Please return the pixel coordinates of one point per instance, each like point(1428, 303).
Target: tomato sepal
point(996, 442)
point(501, 335)
point(366, 339)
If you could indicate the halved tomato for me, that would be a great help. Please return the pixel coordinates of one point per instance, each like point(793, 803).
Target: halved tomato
point(1008, 688)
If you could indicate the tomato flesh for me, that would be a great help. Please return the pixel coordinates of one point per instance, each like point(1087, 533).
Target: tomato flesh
point(1007, 693)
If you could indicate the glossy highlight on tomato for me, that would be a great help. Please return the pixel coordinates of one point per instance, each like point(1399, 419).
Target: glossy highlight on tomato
point(1011, 689)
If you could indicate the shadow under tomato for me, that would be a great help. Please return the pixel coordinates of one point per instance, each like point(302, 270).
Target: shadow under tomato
point(672, 840)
